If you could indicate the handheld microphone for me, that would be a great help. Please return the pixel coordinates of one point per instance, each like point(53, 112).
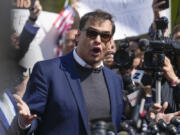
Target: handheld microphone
point(154, 128)
point(125, 127)
point(128, 84)
point(98, 128)
point(102, 126)
point(172, 129)
point(138, 109)
point(162, 126)
point(175, 121)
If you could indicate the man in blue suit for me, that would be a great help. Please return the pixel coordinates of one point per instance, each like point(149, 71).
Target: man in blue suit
point(69, 92)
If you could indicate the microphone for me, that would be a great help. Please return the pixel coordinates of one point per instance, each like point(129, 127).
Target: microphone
point(125, 127)
point(172, 129)
point(162, 125)
point(140, 101)
point(123, 133)
point(98, 128)
point(128, 84)
point(154, 128)
point(175, 121)
point(102, 126)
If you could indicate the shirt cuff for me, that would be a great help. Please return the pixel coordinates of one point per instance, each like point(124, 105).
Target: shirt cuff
point(23, 127)
point(31, 28)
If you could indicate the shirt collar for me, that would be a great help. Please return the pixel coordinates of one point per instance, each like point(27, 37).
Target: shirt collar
point(81, 62)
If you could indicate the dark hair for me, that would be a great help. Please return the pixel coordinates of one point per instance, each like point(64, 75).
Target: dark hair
point(98, 14)
point(175, 30)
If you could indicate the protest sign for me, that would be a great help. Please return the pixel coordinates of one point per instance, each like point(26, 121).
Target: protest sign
point(44, 45)
point(132, 17)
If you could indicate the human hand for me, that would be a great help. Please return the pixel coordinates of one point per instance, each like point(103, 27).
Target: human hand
point(169, 71)
point(21, 88)
point(35, 11)
point(158, 113)
point(156, 9)
point(25, 117)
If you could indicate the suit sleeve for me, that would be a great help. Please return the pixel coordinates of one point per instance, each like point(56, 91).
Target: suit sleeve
point(36, 94)
point(25, 39)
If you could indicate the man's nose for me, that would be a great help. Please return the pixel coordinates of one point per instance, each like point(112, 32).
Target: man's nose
point(98, 38)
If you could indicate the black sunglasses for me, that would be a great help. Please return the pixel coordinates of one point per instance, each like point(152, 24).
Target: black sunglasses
point(92, 34)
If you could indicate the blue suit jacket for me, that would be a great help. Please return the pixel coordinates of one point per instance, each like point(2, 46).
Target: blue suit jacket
point(54, 93)
point(5, 128)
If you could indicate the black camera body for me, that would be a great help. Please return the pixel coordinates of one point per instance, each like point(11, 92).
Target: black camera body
point(162, 23)
point(123, 59)
point(155, 53)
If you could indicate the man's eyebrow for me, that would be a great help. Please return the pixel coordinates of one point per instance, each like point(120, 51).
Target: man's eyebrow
point(108, 32)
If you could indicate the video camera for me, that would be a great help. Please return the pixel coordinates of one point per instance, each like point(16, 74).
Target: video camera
point(155, 49)
point(123, 58)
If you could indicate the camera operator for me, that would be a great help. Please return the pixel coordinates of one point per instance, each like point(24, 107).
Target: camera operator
point(170, 79)
point(109, 56)
point(170, 82)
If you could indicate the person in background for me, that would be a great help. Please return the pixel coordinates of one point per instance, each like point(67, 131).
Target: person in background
point(109, 56)
point(20, 45)
point(10, 70)
point(69, 41)
point(171, 85)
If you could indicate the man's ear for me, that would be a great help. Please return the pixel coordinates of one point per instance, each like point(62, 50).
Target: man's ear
point(77, 36)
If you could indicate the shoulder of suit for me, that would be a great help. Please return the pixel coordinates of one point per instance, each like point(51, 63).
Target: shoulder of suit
point(50, 61)
point(112, 72)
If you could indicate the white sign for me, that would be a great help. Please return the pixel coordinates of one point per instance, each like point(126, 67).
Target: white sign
point(132, 17)
point(132, 98)
point(137, 76)
point(44, 45)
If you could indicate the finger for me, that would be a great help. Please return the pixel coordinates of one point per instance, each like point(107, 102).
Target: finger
point(18, 99)
point(156, 5)
point(23, 106)
point(177, 113)
point(165, 105)
point(20, 107)
point(24, 114)
point(37, 12)
point(154, 1)
point(157, 106)
point(24, 109)
point(152, 115)
point(31, 118)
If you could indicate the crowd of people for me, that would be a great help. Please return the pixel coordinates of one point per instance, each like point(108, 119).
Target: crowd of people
point(86, 84)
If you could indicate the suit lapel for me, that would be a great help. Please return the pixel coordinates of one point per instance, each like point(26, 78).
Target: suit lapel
point(68, 66)
point(111, 93)
point(13, 101)
point(3, 120)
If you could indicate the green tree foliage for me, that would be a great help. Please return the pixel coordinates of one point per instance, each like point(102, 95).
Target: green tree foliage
point(52, 5)
point(175, 12)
